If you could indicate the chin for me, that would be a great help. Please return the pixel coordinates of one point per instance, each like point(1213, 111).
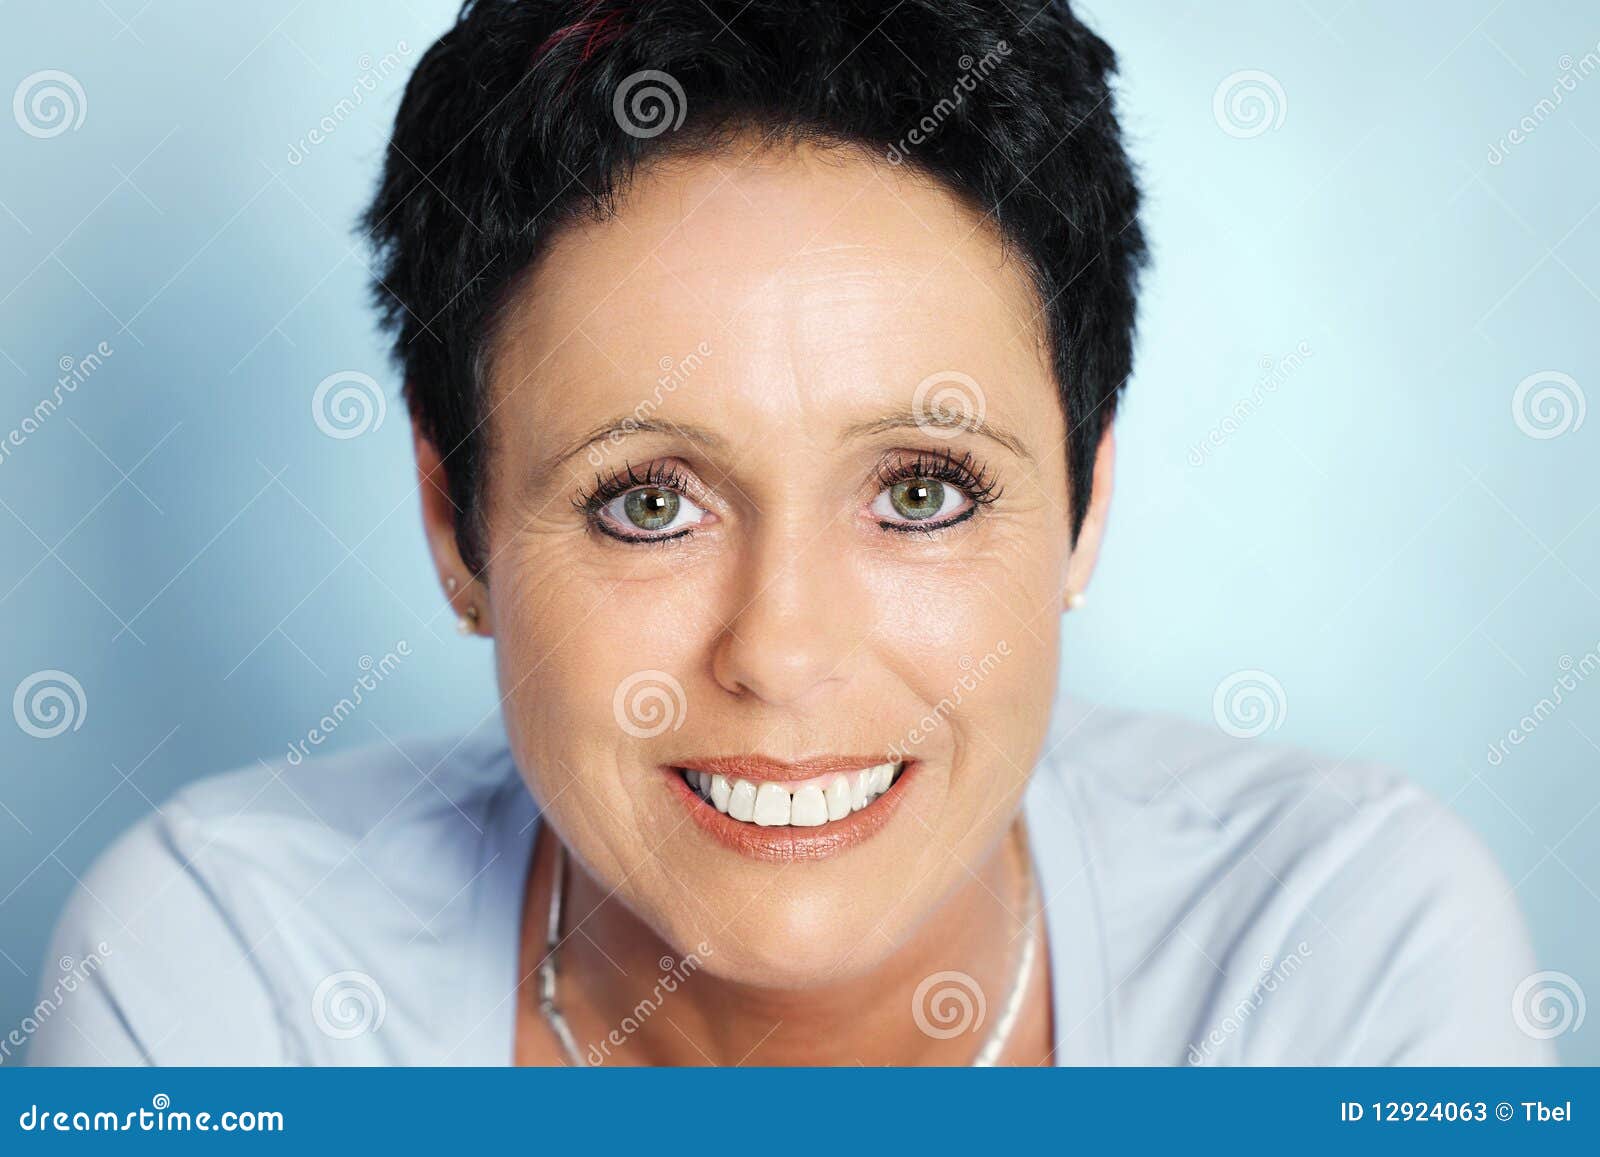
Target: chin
point(802, 941)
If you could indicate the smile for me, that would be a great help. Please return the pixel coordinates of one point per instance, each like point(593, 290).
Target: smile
point(807, 804)
point(774, 810)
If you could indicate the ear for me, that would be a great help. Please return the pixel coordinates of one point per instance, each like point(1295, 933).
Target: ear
point(1080, 568)
point(468, 597)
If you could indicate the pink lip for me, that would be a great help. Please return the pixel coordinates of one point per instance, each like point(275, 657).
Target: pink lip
point(765, 769)
point(782, 845)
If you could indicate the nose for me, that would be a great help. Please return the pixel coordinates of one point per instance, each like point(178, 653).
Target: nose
point(794, 624)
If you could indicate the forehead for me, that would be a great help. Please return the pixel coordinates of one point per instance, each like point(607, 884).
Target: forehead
point(820, 281)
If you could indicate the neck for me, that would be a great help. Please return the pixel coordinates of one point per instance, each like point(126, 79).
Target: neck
point(611, 982)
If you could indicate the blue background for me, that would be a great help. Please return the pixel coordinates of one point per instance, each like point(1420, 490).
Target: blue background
point(1379, 534)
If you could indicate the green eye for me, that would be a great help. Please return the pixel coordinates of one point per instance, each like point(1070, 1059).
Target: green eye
point(917, 498)
point(650, 508)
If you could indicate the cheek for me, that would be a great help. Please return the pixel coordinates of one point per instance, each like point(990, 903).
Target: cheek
point(589, 679)
point(977, 643)
point(588, 663)
point(942, 615)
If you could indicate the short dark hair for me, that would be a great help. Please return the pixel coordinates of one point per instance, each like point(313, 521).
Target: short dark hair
point(531, 113)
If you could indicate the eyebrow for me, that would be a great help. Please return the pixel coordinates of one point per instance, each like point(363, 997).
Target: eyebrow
point(972, 424)
point(621, 427)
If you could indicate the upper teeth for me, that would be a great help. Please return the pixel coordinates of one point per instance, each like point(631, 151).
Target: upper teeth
point(807, 804)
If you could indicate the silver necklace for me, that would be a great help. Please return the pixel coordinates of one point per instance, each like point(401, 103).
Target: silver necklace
point(1007, 1020)
point(999, 1035)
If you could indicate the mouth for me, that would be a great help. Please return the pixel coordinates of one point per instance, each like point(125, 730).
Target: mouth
point(776, 811)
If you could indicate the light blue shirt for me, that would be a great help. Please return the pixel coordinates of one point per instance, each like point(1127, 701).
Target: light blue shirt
point(1208, 901)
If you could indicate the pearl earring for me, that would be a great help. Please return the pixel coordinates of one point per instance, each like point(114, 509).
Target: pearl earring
point(1074, 600)
point(467, 621)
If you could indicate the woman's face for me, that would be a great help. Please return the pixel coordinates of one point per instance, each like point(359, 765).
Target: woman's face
point(778, 493)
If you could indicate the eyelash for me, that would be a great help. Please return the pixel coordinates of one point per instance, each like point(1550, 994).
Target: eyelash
point(663, 475)
point(965, 473)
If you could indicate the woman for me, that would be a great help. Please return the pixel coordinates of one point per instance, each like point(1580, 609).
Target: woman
point(762, 359)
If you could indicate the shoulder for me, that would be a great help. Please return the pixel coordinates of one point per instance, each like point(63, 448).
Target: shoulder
point(1258, 904)
point(212, 921)
point(385, 804)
